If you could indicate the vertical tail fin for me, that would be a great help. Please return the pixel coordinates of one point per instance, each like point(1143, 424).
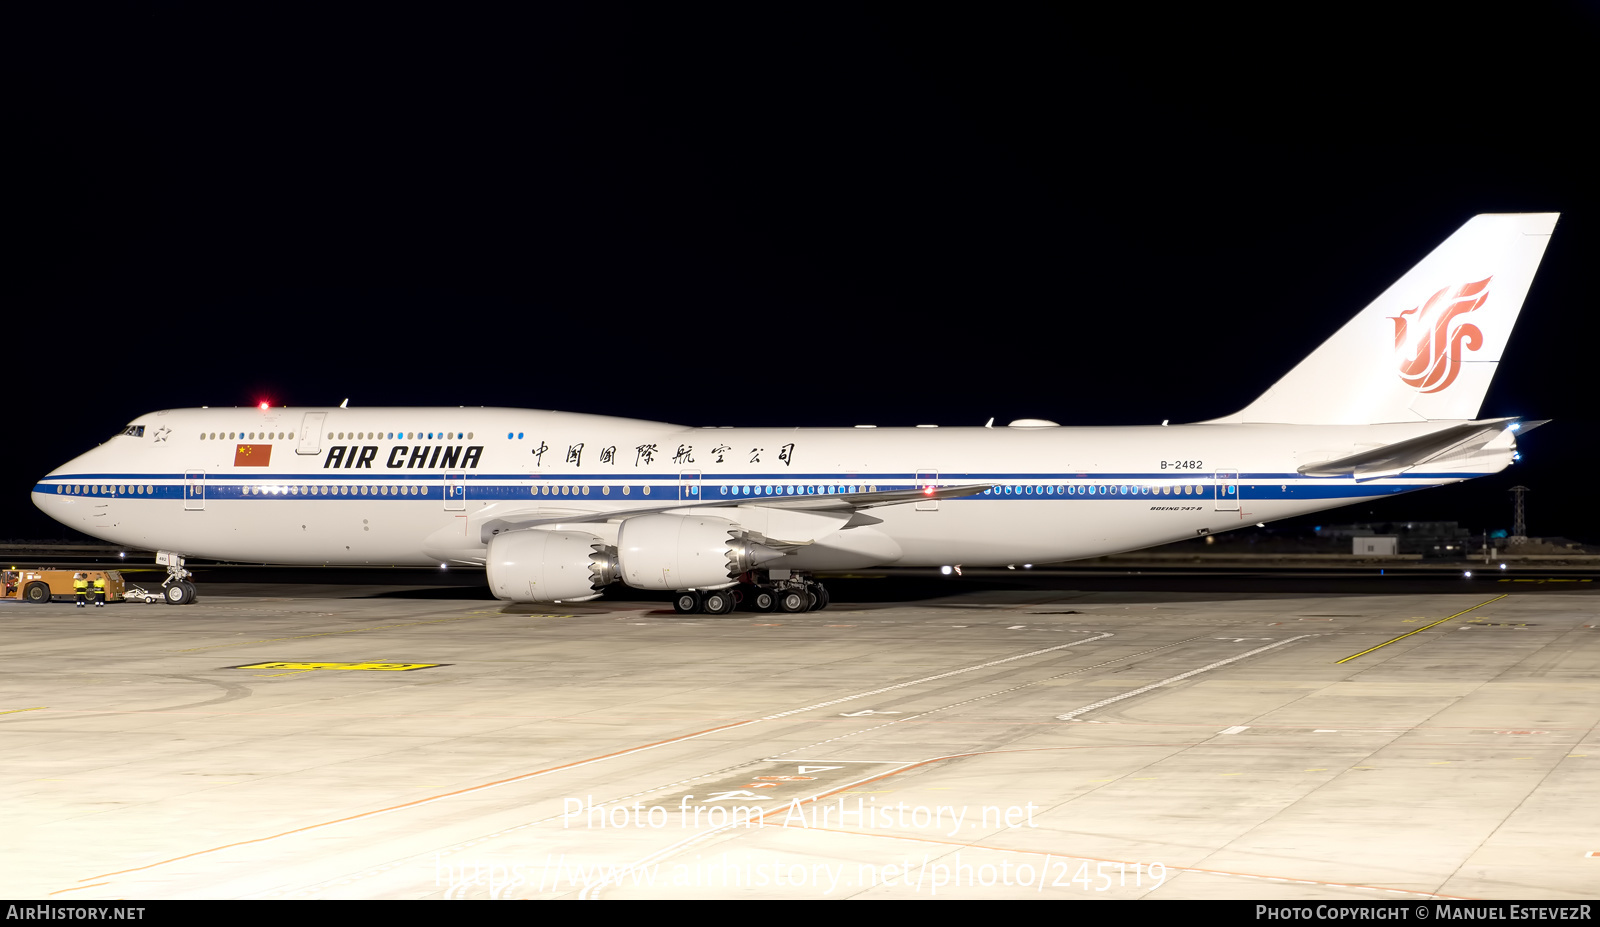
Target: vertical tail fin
point(1427, 347)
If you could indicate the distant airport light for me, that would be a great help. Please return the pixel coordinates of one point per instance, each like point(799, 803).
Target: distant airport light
point(1467, 574)
point(1502, 566)
point(946, 570)
point(443, 566)
point(125, 553)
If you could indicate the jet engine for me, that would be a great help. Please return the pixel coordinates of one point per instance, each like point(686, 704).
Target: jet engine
point(685, 552)
point(545, 566)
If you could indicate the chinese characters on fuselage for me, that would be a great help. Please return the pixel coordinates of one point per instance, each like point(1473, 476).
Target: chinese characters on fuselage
point(430, 457)
point(645, 454)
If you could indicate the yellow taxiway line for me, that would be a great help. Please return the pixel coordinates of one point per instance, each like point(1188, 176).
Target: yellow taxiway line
point(1418, 630)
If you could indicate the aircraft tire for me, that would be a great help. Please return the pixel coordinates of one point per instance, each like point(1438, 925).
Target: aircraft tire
point(763, 600)
point(686, 603)
point(718, 602)
point(793, 601)
point(178, 593)
point(194, 593)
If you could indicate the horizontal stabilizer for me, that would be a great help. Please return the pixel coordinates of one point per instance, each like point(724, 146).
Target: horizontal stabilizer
point(1454, 443)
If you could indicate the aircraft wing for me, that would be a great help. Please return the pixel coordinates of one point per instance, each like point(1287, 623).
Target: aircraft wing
point(837, 504)
point(1454, 442)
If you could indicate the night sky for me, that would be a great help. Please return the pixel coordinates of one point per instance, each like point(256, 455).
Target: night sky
point(750, 216)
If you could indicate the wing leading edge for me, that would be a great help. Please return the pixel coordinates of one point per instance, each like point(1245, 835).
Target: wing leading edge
point(829, 503)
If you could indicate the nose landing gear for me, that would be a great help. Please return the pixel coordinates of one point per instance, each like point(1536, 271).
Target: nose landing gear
point(177, 590)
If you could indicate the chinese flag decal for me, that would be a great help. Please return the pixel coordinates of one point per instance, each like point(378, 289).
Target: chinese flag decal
point(252, 455)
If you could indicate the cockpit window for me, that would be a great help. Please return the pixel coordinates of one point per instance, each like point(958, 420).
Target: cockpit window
point(133, 431)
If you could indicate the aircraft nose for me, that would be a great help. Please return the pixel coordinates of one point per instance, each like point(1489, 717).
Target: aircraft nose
point(49, 496)
point(54, 493)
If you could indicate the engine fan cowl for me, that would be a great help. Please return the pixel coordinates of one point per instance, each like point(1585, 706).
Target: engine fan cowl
point(542, 566)
point(670, 552)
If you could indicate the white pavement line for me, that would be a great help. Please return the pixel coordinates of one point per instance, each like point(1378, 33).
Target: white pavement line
point(914, 682)
point(1077, 672)
point(1236, 729)
point(1181, 676)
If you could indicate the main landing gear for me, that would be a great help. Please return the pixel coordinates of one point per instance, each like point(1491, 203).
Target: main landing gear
point(758, 594)
point(178, 589)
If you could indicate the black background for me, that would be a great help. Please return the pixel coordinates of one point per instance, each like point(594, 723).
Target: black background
point(760, 215)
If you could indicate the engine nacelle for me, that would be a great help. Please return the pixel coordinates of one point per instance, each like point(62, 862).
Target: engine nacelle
point(542, 566)
point(685, 552)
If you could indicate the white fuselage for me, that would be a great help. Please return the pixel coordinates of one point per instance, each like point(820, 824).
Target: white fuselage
point(411, 486)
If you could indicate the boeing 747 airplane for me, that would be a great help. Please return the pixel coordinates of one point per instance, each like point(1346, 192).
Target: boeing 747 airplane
point(557, 506)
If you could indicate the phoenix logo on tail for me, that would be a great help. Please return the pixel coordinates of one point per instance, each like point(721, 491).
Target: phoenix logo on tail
point(1430, 354)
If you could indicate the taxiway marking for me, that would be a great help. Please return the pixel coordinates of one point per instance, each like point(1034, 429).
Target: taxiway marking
point(381, 627)
point(1071, 715)
point(1419, 630)
point(608, 756)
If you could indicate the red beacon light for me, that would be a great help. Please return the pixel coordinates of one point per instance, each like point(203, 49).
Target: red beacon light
point(263, 406)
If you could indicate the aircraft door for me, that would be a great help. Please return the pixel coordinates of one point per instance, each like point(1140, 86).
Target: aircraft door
point(194, 490)
point(311, 434)
point(455, 492)
point(1227, 490)
point(689, 486)
point(928, 480)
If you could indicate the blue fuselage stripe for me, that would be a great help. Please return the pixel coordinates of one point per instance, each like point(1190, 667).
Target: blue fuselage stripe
point(734, 487)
